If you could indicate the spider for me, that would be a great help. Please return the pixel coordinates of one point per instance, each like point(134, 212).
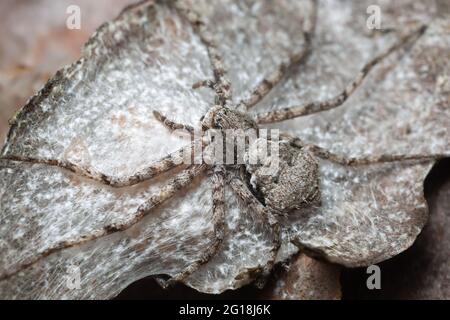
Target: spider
point(294, 186)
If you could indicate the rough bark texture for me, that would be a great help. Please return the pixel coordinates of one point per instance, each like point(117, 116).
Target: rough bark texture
point(307, 279)
point(98, 112)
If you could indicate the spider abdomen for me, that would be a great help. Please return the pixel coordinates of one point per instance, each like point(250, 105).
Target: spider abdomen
point(287, 179)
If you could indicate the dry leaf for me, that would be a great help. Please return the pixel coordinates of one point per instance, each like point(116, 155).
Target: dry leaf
point(98, 112)
point(31, 51)
point(423, 271)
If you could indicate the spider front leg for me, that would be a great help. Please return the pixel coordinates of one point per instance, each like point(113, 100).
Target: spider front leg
point(204, 84)
point(251, 201)
point(218, 208)
point(266, 85)
point(168, 191)
point(221, 84)
point(360, 161)
point(315, 107)
point(172, 125)
point(155, 169)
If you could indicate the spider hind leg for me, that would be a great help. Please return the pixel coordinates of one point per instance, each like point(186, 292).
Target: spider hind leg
point(218, 206)
point(167, 192)
point(366, 160)
point(243, 192)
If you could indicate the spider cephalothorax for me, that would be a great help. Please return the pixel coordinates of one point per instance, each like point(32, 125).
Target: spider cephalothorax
point(276, 183)
point(225, 118)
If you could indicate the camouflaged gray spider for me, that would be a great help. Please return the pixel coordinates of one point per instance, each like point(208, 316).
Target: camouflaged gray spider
point(294, 186)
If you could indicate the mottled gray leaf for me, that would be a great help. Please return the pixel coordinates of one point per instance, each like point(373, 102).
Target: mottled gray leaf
point(98, 113)
point(370, 214)
point(32, 50)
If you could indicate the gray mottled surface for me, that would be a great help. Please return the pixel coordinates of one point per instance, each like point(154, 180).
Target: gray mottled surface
point(98, 113)
point(371, 213)
point(32, 50)
point(422, 271)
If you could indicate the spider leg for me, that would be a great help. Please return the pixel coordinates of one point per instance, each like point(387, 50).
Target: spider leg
point(361, 161)
point(180, 181)
point(241, 189)
point(218, 206)
point(160, 166)
point(171, 125)
point(204, 84)
point(266, 85)
point(314, 107)
point(221, 84)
